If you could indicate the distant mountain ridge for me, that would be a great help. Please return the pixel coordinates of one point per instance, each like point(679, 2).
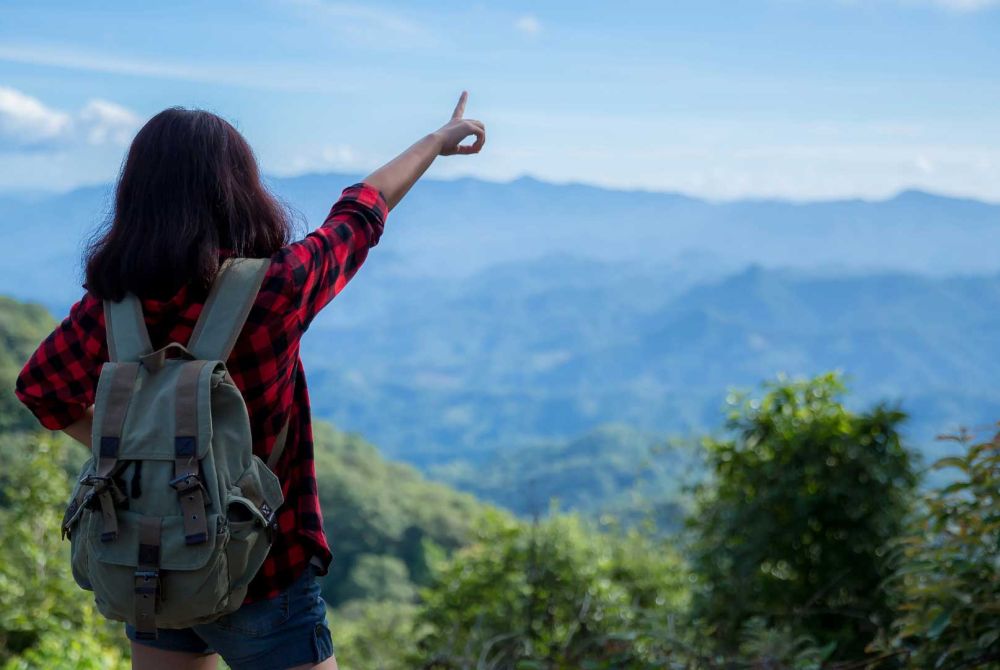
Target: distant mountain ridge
point(459, 227)
point(497, 314)
point(464, 368)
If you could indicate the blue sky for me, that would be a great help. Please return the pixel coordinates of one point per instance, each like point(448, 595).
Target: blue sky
point(798, 99)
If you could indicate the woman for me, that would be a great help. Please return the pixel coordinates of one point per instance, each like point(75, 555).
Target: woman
point(189, 195)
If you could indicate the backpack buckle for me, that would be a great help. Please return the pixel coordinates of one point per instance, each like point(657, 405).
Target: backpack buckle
point(186, 482)
point(99, 485)
point(142, 578)
point(107, 492)
point(191, 494)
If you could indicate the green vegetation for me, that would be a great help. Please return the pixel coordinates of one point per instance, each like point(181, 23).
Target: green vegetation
point(946, 586)
point(22, 327)
point(552, 594)
point(46, 621)
point(793, 526)
point(551, 348)
point(384, 520)
point(613, 469)
point(806, 547)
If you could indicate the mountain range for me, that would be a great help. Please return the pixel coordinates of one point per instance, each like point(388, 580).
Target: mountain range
point(496, 315)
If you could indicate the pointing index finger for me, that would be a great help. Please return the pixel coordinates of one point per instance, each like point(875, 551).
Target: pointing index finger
point(460, 107)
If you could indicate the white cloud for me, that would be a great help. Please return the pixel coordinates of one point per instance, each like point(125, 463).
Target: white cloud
point(105, 122)
point(364, 15)
point(957, 6)
point(260, 76)
point(965, 5)
point(320, 159)
point(528, 24)
point(26, 123)
point(362, 24)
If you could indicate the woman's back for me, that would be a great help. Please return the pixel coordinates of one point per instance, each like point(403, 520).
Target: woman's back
point(58, 383)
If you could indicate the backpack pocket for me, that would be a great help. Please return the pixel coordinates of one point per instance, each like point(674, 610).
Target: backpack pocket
point(252, 509)
point(75, 524)
point(249, 542)
point(193, 579)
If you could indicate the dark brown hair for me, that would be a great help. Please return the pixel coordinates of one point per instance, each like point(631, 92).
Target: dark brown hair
point(188, 188)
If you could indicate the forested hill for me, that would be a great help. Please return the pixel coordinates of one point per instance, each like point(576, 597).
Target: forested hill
point(22, 327)
point(613, 469)
point(551, 349)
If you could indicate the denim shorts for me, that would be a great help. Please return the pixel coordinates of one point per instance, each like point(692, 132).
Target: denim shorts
point(282, 632)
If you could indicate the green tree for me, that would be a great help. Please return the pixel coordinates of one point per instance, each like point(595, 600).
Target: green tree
point(377, 508)
point(946, 590)
point(553, 594)
point(22, 327)
point(375, 635)
point(376, 577)
point(46, 620)
point(791, 529)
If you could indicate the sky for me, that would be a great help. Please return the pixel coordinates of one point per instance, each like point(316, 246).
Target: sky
point(794, 99)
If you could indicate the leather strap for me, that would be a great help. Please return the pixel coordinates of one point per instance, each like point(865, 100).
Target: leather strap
point(186, 481)
point(147, 577)
point(115, 407)
point(155, 360)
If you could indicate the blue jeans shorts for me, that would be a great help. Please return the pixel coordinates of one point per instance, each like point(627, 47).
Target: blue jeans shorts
point(282, 632)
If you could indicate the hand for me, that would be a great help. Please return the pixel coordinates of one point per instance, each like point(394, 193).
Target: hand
point(457, 129)
point(395, 178)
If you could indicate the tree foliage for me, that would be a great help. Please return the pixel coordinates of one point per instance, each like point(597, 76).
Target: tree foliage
point(806, 552)
point(792, 528)
point(22, 327)
point(46, 620)
point(382, 518)
point(946, 588)
point(550, 594)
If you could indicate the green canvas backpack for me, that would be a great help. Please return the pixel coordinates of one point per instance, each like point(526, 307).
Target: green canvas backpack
point(173, 514)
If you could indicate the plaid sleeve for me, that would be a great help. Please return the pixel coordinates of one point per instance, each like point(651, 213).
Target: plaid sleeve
point(322, 263)
point(59, 381)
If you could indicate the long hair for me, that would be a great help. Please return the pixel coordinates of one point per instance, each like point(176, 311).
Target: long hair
point(189, 188)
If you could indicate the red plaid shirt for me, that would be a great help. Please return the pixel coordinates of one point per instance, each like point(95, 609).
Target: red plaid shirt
point(59, 380)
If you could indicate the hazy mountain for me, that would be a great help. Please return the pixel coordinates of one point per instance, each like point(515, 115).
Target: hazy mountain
point(456, 228)
point(496, 314)
point(459, 369)
point(611, 469)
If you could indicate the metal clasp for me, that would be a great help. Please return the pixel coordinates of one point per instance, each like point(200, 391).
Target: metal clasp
point(185, 483)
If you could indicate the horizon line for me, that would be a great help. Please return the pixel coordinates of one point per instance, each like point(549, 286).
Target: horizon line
point(32, 194)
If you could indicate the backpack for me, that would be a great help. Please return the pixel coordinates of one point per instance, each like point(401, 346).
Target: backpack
point(173, 515)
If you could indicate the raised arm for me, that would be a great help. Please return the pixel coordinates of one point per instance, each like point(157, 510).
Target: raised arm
point(396, 177)
point(315, 269)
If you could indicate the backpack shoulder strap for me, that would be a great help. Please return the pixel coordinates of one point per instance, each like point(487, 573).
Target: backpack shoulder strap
point(227, 306)
point(128, 338)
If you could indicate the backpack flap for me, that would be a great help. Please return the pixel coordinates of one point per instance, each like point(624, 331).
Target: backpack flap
point(151, 577)
point(175, 402)
point(175, 554)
